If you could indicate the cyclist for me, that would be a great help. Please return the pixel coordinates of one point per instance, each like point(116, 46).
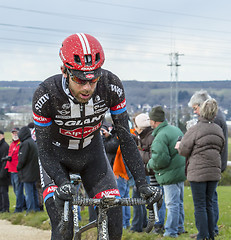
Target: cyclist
point(68, 110)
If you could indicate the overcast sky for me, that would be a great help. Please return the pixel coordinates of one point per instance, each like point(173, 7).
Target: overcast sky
point(137, 37)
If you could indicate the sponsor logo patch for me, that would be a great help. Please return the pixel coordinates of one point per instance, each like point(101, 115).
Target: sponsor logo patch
point(42, 121)
point(42, 100)
point(108, 193)
point(50, 189)
point(119, 106)
point(90, 76)
point(78, 133)
point(116, 89)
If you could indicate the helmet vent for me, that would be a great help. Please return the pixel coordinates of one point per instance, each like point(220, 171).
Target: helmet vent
point(68, 64)
point(97, 57)
point(77, 59)
point(88, 60)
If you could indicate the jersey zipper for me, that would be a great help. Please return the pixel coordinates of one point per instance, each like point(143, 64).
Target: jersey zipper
point(82, 114)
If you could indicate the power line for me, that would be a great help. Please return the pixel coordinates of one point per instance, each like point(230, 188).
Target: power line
point(114, 39)
point(159, 11)
point(122, 22)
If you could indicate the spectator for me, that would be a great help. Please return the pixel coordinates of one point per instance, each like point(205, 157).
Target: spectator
point(110, 141)
point(12, 168)
point(38, 183)
point(145, 139)
point(139, 221)
point(32, 130)
point(169, 169)
point(195, 102)
point(111, 144)
point(4, 175)
point(28, 168)
point(202, 145)
point(122, 177)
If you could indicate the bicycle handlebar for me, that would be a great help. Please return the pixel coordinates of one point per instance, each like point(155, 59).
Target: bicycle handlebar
point(109, 201)
point(105, 202)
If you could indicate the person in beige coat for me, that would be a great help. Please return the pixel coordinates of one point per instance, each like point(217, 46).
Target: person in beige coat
point(202, 145)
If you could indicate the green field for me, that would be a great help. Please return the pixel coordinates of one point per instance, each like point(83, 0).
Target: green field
point(41, 220)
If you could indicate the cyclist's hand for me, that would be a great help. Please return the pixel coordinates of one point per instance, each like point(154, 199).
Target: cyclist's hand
point(64, 193)
point(151, 194)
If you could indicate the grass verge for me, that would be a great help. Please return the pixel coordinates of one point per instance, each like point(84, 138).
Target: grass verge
point(41, 220)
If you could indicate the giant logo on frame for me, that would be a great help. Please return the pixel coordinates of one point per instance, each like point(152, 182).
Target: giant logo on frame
point(79, 133)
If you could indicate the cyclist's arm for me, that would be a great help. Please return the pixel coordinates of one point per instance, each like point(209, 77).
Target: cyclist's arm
point(129, 149)
point(116, 97)
point(43, 127)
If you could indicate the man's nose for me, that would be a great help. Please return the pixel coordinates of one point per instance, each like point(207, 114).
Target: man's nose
point(87, 86)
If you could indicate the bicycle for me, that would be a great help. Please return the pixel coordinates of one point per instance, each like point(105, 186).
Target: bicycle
point(103, 205)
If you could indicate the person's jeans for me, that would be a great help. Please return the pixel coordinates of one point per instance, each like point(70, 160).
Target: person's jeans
point(124, 193)
point(161, 211)
point(174, 200)
point(18, 190)
point(202, 193)
point(31, 196)
point(139, 220)
point(215, 212)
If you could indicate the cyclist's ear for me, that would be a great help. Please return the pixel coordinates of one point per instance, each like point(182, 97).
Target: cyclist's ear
point(64, 71)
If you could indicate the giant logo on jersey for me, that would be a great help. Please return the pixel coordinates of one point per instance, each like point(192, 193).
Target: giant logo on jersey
point(80, 133)
point(79, 122)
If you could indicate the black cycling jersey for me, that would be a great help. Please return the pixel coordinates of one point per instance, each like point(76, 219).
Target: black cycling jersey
point(63, 122)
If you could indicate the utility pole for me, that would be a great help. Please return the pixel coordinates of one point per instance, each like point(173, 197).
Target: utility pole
point(174, 79)
point(171, 88)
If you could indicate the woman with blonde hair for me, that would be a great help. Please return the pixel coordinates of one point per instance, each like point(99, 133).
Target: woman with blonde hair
point(202, 145)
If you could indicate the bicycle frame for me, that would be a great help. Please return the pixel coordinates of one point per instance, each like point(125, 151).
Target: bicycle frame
point(103, 204)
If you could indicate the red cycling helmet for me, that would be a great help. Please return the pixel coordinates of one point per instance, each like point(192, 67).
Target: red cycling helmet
point(83, 55)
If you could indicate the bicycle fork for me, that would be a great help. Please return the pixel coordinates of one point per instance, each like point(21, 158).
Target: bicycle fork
point(75, 218)
point(103, 225)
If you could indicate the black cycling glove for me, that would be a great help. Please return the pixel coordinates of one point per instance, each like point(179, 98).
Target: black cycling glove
point(64, 193)
point(151, 194)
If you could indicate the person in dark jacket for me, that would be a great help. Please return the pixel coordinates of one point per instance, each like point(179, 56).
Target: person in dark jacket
point(38, 183)
point(28, 168)
point(110, 141)
point(4, 174)
point(196, 102)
